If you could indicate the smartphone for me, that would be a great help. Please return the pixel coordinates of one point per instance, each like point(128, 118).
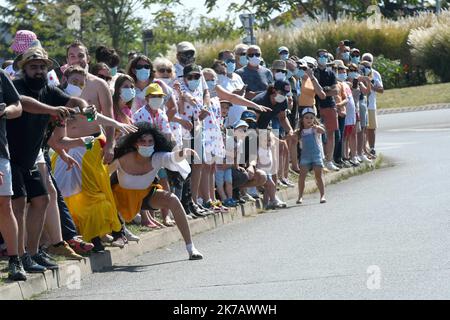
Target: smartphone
point(355, 83)
point(2, 107)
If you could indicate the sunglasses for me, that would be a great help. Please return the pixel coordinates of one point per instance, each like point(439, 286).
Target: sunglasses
point(188, 54)
point(106, 78)
point(251, 55)
point(283, 71)
point(193, 77)
point(143, 66)
point(230, 61)
point(243, 54)
point(164, 70)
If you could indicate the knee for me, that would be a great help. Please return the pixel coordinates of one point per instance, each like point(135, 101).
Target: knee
point(41, 201)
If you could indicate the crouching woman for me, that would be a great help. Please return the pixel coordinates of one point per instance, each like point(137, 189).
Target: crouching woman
point(138, 158)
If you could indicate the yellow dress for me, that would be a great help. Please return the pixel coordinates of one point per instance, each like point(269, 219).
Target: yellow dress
point(88, 192)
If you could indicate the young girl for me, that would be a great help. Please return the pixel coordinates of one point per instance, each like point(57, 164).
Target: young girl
point(310, 136)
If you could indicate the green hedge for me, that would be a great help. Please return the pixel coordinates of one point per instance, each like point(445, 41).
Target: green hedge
point(389, 40)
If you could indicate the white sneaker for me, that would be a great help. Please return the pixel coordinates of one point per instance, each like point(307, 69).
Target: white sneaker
point(365, 159)
point(249, 198)
point(330, 166)
point(359, 159)
point(130, 236)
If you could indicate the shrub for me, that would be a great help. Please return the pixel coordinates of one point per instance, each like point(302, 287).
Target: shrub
point(430, 48)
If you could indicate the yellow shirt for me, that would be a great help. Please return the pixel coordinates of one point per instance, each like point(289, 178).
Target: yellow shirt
point(308, 94)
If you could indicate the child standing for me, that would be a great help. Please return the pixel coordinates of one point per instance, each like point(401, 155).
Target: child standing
point(311, 158)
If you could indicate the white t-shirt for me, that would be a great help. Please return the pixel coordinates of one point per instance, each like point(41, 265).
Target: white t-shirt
point(235, 83)
point(372, 105)
point(159, 120)
point(350, 118)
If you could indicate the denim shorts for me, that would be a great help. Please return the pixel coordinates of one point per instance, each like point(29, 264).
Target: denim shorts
point(6, 186)
point(363, 117)
point(223, 176)
point(310, 163)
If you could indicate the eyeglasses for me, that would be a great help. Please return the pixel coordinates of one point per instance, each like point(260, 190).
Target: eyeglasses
point(106, 78)
point(187, 53)
point(142, 66)
point(164, 70)
point(251, 55)
point(193, 77)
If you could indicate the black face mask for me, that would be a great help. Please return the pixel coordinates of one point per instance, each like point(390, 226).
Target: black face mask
point(36, 84)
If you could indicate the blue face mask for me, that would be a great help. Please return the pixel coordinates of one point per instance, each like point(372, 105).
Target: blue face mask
point(322, 60)
point(143, 74)
point(341, 77)
point(284, 56)
point(231, 67)
point(353, 75)
point(146, 152)
point(299, 73)
point(113, 71)
point(289, 74)
point(243, 61)
point(193, 84)
point(211, 85)
point(355, 60)
point(127, 94)
point(346, 56)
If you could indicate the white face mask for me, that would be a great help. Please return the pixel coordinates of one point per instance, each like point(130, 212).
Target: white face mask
point(146, 152)
point(73, 90)
point(155, 103)
point(280, 98)
point(280, 76)
point(254, 61)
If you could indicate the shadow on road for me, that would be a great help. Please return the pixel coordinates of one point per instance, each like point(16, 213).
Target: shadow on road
point(139, 268)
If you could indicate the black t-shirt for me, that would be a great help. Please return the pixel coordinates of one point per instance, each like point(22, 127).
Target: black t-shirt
point(326, 79)
point(8, 95)
point(25, 134)
point(263, 99)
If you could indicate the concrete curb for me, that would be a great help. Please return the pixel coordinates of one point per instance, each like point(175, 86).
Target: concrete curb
point(71, 272)
point(414, 109)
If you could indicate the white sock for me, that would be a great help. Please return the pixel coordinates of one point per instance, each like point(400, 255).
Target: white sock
point(190, 248)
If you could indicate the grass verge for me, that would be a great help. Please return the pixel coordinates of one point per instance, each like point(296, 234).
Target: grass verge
point(414, 96)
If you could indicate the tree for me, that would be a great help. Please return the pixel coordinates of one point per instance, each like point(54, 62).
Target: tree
point(265, 9)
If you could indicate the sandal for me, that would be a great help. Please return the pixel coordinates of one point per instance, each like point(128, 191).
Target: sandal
point(299, 201)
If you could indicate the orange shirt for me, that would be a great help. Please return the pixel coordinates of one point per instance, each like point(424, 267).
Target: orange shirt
point(307, 96)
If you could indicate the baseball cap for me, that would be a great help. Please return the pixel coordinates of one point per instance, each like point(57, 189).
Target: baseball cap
point(23, 41)
point(192, 68)
point(154, 89)
point(308, 110)
point(281, 49)
point(240, 123)
point(279, 65)
point(310, 60)
point(248, 116)
point(185, 46)
point(282, 86)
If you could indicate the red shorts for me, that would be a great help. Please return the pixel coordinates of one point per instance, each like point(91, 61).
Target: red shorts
point(330, 118)
point(349, 130)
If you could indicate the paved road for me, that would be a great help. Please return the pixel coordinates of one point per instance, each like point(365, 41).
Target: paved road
point(383, 235)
